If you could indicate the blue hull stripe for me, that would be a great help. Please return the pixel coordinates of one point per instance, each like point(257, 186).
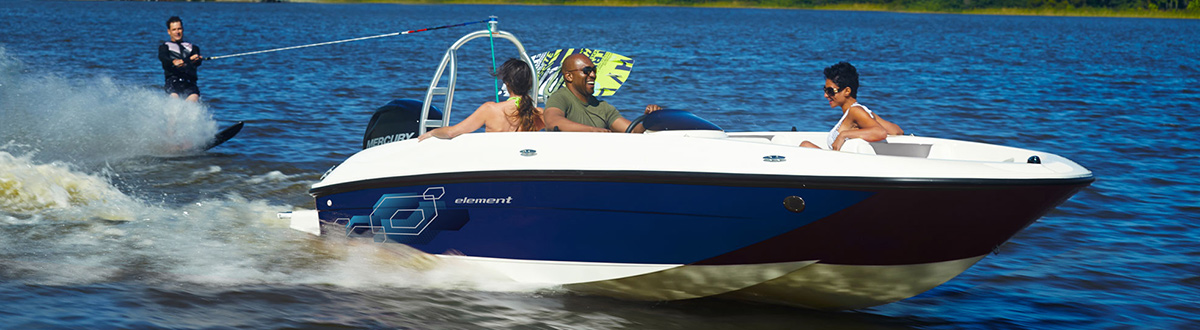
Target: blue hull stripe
point(580, 221)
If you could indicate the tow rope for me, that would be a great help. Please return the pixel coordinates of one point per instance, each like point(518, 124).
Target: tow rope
point(360, 38)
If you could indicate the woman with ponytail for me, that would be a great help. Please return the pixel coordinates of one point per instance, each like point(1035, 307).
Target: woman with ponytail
point(517, 114)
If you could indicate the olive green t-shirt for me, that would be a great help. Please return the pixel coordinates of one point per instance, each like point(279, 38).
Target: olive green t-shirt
point(595, 113)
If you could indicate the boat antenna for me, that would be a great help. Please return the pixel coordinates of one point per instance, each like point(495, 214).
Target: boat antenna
point(491, 19)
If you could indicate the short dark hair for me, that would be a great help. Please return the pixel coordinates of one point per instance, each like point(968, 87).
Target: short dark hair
point(173, 19)
point(843, 75)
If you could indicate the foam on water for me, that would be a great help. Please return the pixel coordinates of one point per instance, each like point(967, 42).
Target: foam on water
point(62, 226)
point(222, 241)
point(30, 188)
point(273, 176)
point(94, 119)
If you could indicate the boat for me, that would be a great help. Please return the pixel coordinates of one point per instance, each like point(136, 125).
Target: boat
point(686, 210)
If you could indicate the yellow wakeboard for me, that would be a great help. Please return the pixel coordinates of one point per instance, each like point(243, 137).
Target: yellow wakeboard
point(612, 70)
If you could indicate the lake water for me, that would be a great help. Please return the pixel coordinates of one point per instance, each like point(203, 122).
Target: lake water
point(97, 231)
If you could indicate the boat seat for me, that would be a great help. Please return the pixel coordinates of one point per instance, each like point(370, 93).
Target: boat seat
point(787, 140)
point(858, 146)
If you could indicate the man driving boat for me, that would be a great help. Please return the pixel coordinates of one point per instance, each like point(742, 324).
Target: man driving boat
point(575, 109)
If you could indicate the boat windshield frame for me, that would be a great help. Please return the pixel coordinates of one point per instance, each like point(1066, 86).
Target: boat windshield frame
point(450, 64)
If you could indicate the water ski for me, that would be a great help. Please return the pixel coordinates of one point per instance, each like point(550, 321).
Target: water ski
point(224, 135)
point(612, 70)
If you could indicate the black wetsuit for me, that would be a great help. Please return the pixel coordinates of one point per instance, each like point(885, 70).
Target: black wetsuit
point(179, 80)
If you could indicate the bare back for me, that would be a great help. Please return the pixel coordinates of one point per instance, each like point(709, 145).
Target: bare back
point(494, 117)
point(501, 117)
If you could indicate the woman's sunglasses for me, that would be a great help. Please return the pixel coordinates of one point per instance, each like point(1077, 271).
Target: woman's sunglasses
point(830, 91)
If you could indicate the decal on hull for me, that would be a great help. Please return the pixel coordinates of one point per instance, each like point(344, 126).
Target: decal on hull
point(408, 218)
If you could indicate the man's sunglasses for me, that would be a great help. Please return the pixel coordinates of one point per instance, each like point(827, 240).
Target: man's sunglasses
point(587, 70)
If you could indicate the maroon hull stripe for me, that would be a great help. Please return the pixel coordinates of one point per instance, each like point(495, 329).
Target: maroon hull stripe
point(911, 226)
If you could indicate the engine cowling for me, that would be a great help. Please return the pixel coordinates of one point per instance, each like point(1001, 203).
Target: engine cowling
point(398, 120)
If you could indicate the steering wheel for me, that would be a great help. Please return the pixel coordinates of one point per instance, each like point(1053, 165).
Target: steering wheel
point(635, 122)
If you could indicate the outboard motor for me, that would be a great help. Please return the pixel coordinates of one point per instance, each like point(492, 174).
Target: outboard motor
point(399, 120)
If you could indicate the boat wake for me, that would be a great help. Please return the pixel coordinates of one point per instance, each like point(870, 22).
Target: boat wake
point(96, 233)
point(67, 218)
point(54, 189)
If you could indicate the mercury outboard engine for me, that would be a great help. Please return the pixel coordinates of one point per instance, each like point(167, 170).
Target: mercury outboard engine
point(399, 120)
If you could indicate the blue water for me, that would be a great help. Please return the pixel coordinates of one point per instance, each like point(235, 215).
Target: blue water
point(97, 230)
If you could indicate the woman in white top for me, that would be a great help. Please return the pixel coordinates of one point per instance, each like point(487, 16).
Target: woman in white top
point(517, 114)
point(841, 89)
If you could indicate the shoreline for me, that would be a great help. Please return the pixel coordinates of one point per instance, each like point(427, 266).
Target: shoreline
point(1005, 11)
